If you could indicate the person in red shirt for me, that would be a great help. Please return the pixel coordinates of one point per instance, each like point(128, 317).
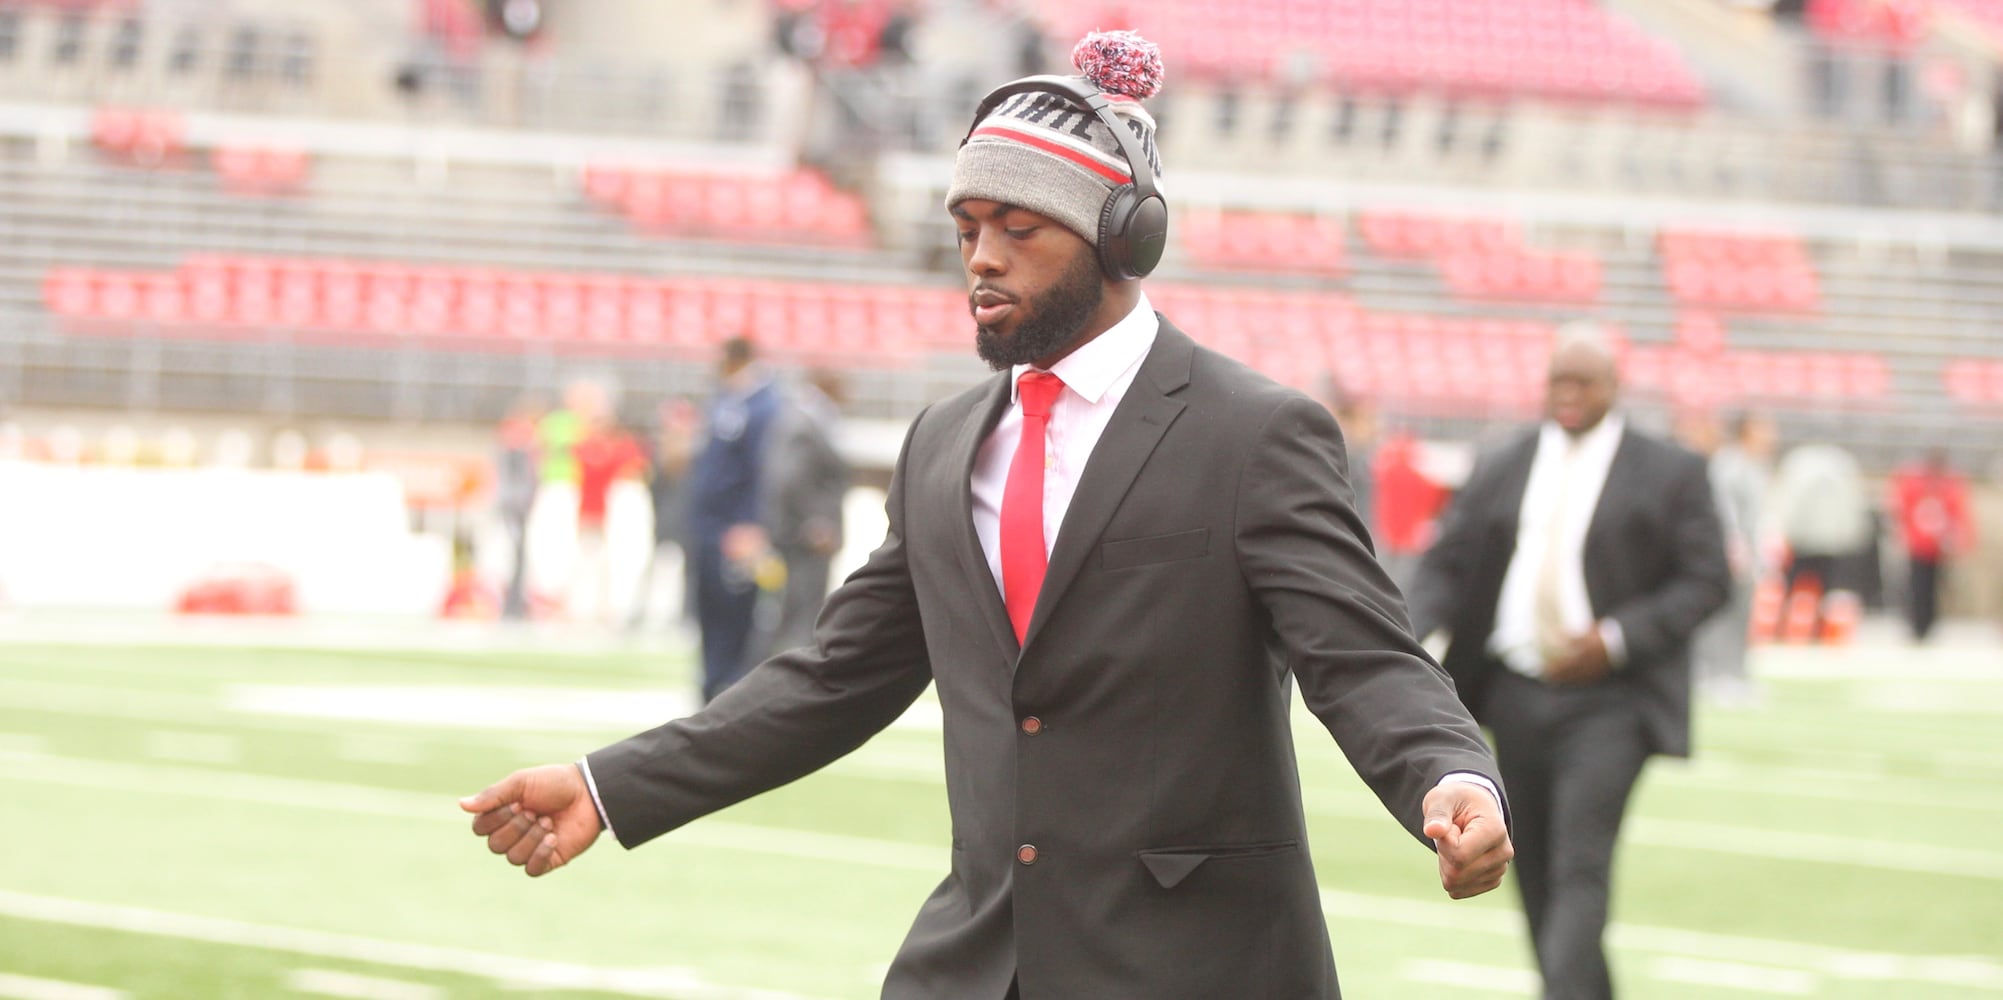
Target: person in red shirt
point(1408, 504)
point(1932, 504)
point(606, 455)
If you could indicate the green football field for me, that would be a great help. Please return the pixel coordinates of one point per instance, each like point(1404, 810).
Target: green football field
point(193, 819)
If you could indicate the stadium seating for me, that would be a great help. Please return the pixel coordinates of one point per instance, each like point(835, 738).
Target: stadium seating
point(1986, 15)
point(1738, 271)
point(1483, 258)
point(793, 208)
point(1521, 273)
point(1271, 242)
point(466, 284)
point(1974, 382)
point(212, 296)
point(1823, 379)
point(1896, 21)
point(260, 170)
point(144, 138)
point(1422, 364)
point(1554, 49)
point(1419, 236)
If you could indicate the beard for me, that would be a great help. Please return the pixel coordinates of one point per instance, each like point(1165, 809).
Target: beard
point(1059, 315)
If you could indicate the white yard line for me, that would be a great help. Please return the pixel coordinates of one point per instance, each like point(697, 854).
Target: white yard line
point(1905, 665)
point(1734, 975)
point(378, 748)
point(26, 988)
point(1717, 774)
point(1898, 697)
point(321, 633)
point(328, 983)
point(1836, 963)
point(462, 706)
point(1819, 848)
point(1978, 973)
point(670, 983)
point(1468, 976)
point(193, 748)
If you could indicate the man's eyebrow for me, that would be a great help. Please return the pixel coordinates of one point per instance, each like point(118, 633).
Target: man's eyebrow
point(1002, 210)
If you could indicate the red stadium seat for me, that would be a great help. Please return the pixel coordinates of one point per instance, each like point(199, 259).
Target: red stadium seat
point(605, 185)
point(794, 207)
point(644, 304)
point(1762, 273)
point(139, 138)
point(1963, 379)
point(1866, 377)
point(477, 311)
point(70, 291)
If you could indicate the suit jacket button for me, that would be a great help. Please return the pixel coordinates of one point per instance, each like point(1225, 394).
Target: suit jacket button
point(1031, 726)
point(1026, 854)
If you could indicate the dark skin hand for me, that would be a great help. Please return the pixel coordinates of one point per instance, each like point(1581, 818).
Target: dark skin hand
point(539, 818)
point(1584, 661)
point(1466, 826)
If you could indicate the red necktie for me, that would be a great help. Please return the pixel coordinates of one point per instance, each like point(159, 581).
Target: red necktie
point(1023, 556)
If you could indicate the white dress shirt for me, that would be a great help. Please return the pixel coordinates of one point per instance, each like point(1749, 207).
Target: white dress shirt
point(1579, 480)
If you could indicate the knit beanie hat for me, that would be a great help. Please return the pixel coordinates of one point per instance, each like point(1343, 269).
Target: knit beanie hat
point(1051, 155)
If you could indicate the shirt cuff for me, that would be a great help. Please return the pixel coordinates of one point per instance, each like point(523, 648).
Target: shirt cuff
point(584, 768)
point(1471, 778)
point(1615, 640)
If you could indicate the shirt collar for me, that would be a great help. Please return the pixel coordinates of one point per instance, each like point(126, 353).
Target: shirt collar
point(1092, 369)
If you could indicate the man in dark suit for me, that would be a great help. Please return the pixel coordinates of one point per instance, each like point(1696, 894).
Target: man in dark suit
point(1570, 574)
point(1114, 560)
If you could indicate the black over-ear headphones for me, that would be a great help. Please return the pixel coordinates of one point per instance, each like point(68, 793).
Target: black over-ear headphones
point(1133, 225)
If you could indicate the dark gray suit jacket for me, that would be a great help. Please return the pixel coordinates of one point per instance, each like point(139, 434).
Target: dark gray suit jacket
point(1654, 562)
point(1210, 550)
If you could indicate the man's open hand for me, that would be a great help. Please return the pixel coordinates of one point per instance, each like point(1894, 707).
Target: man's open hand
point(1465, 823)
point(540, 818)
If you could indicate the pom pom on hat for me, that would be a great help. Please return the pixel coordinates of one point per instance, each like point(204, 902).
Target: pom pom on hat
point(1120, 62)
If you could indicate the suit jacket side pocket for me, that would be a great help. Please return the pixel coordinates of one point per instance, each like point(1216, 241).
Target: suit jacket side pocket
point(1129, 552)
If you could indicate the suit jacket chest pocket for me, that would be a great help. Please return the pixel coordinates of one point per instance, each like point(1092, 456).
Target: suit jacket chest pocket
point(1128, 553)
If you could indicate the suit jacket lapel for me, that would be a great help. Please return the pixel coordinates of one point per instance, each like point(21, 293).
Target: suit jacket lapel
point(1130, 437)
point(1619, 472)
point(1510, 489)
point(973, 560)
